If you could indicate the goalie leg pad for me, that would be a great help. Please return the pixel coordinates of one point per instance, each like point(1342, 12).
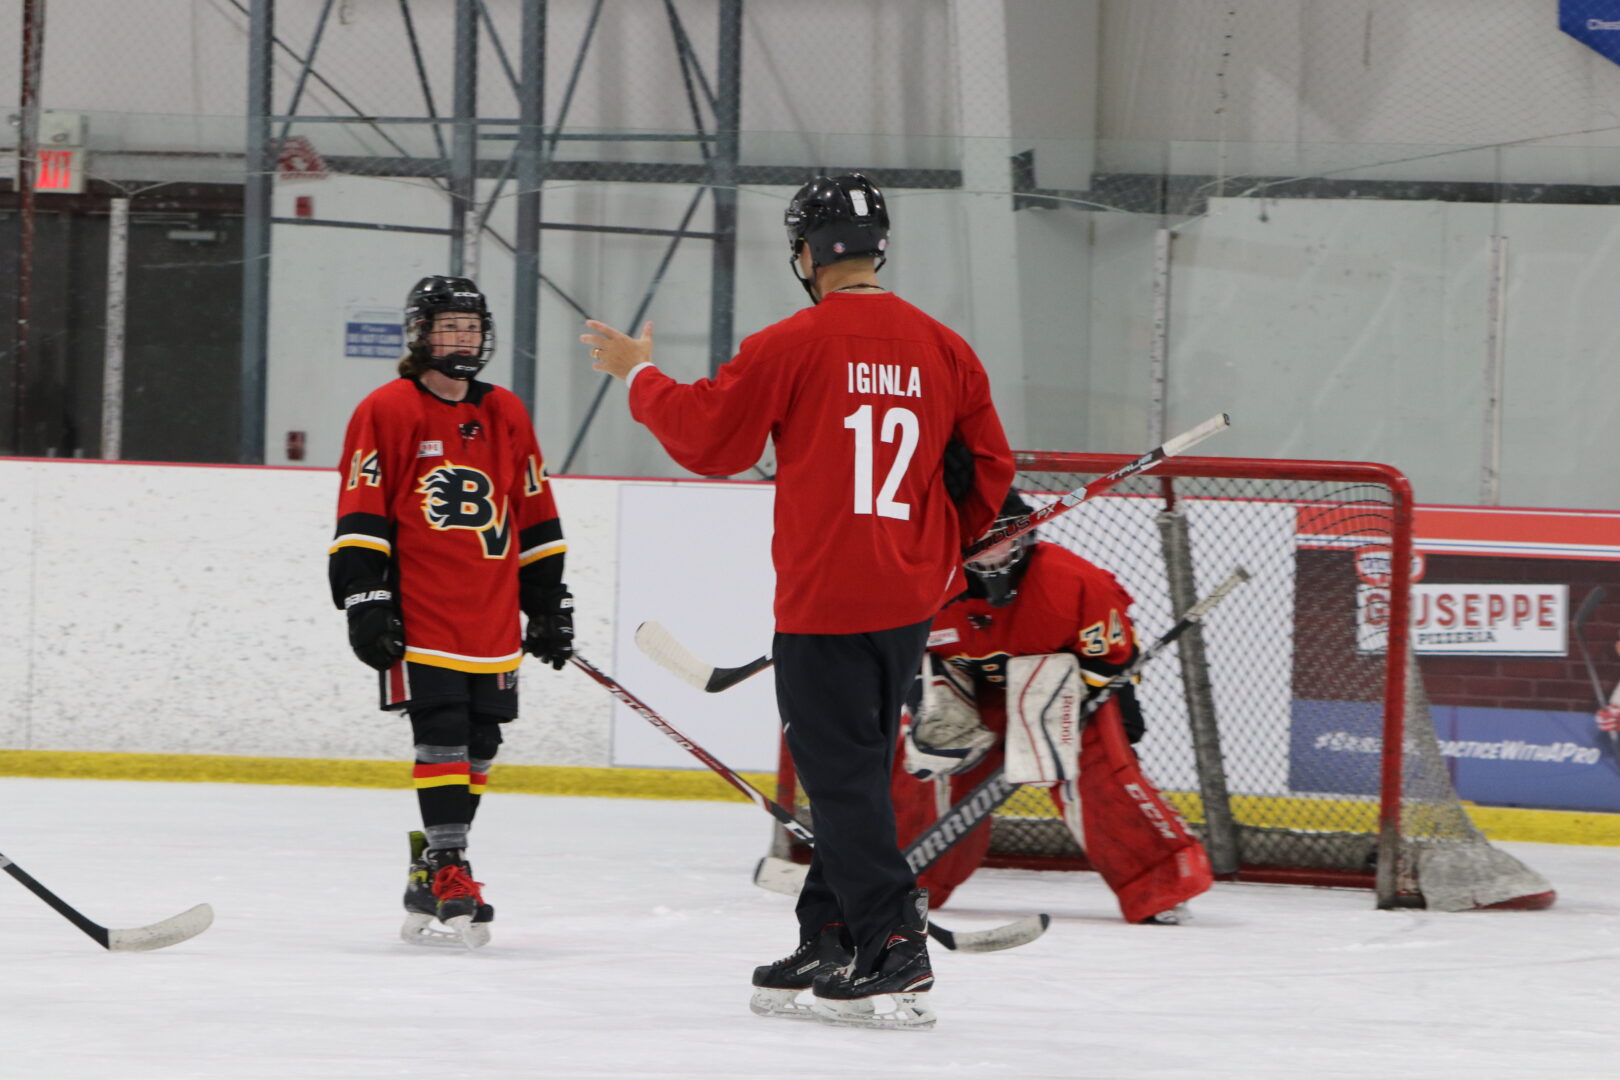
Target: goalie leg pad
point(1133, 836)
point(1044, 695)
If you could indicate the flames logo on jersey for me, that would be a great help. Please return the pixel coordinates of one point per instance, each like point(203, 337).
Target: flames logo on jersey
point(461, 497)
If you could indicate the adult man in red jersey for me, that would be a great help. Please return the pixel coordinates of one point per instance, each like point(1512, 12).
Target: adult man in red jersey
point(1037, 621)
point(861, 393)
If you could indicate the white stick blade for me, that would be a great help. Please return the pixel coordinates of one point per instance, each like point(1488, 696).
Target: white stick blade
point(780, 875)
point(1014, 934)
point(182, 927)
point(661, 648)
point(1189, 439)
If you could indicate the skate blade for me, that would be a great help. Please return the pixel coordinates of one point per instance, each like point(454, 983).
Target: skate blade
point(1169, 917)
point(469, 934)
point(418, 930)
point(909, 1012)
point(780, 1004)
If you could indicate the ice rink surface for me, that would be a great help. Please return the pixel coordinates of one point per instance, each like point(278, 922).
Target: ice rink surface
point(627, 931)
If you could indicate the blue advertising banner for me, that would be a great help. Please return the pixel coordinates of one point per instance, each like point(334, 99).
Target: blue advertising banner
point(1499, 757)
point(1594, 23)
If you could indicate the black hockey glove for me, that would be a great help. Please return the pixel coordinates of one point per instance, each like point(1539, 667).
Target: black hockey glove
point(551, 627)
point(376, 632)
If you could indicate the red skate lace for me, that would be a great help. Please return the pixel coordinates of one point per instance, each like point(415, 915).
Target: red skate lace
point(453, 882)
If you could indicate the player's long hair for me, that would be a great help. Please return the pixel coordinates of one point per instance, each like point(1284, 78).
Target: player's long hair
point(412, 364)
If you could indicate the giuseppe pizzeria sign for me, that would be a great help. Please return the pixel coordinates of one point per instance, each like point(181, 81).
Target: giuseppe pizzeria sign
point(1472, 620)
point(1469, 619)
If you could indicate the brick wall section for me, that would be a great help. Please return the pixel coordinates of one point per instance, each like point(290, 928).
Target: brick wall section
point(1559, 684)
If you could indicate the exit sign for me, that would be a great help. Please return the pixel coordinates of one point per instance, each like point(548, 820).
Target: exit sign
point(60, 170)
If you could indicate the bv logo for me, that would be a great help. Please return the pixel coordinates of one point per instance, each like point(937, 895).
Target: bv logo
point(460, 497)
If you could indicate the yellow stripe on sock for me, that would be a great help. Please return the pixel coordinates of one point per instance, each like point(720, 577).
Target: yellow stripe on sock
point(447, 780)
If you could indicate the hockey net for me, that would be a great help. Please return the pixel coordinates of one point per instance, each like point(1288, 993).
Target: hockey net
point(1291, 730)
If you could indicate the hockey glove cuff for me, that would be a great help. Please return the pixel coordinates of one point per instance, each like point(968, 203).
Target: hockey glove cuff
point(376, 632)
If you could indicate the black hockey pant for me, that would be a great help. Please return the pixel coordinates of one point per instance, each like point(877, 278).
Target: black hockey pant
point(840, 698)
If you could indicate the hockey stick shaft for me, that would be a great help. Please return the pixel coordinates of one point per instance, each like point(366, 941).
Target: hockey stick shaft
point(662, 648)
point(769, 805)
point(647, 713)
point(97, 932)
point(187, 924)
point(977, 805)
point(1178, 445)
point(1593, 599)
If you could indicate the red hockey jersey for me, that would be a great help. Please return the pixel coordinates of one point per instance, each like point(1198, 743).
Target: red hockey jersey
point(1064, 604)
point(861, 395)
point(455, 493)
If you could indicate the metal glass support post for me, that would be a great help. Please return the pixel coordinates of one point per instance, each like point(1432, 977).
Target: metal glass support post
point(723, 183)
point(526, 258)
point(33, 51)
point(112, 367)
point(256, 231)
point(464, 141)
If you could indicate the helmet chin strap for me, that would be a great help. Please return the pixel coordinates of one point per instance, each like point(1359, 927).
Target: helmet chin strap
point(809, 283)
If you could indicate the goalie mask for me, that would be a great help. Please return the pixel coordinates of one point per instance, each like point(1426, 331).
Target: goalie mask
point(433, 296)
point(994, 575)
point(840, 217)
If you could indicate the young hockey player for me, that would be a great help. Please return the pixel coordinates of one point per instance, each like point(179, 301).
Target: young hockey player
point(1036, 623)
point(446, 530)
point(861, 392)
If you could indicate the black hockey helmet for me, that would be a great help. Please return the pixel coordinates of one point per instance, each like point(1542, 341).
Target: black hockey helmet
point(995, 574)
point(434, 295)
point(840, 217)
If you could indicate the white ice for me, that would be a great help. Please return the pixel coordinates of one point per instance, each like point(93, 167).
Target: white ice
point(627, 931)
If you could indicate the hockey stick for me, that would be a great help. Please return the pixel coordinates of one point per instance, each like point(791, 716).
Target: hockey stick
point(1035, 518)
point(662, 648)
point(1593, 599)
point(1002, 937)
point(171, 931)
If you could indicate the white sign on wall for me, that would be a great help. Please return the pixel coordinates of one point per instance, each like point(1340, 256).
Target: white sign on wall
point(1471, 620)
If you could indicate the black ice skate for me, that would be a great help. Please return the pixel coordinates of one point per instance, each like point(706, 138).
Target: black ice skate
point(777, 986)
point(425, 900)
point(902, 974)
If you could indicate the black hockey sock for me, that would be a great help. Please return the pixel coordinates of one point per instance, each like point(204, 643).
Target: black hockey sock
point(483, 745)
point(442, 775)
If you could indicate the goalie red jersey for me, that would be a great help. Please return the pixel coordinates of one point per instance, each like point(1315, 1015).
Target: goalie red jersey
point(1065, 604)
point(453, 496)
point(860, 394)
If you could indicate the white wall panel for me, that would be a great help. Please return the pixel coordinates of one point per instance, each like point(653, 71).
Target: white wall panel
point(185, 610)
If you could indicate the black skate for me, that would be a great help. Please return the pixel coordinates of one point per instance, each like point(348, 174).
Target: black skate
point(458, 895)
point(902, 974)
point(777, 986)
point(423, 904)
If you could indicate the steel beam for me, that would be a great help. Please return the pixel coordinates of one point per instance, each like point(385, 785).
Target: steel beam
point(723, 184)
point(530, 169)
point(256, 210)
point(464, 139)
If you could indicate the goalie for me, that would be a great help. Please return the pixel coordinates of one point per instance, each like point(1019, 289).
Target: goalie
point(1009, 663)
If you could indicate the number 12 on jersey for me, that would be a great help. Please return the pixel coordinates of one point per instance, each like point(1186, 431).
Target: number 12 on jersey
point(895, 420)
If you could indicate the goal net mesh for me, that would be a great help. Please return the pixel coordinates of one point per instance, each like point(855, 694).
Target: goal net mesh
point(1270, 715)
